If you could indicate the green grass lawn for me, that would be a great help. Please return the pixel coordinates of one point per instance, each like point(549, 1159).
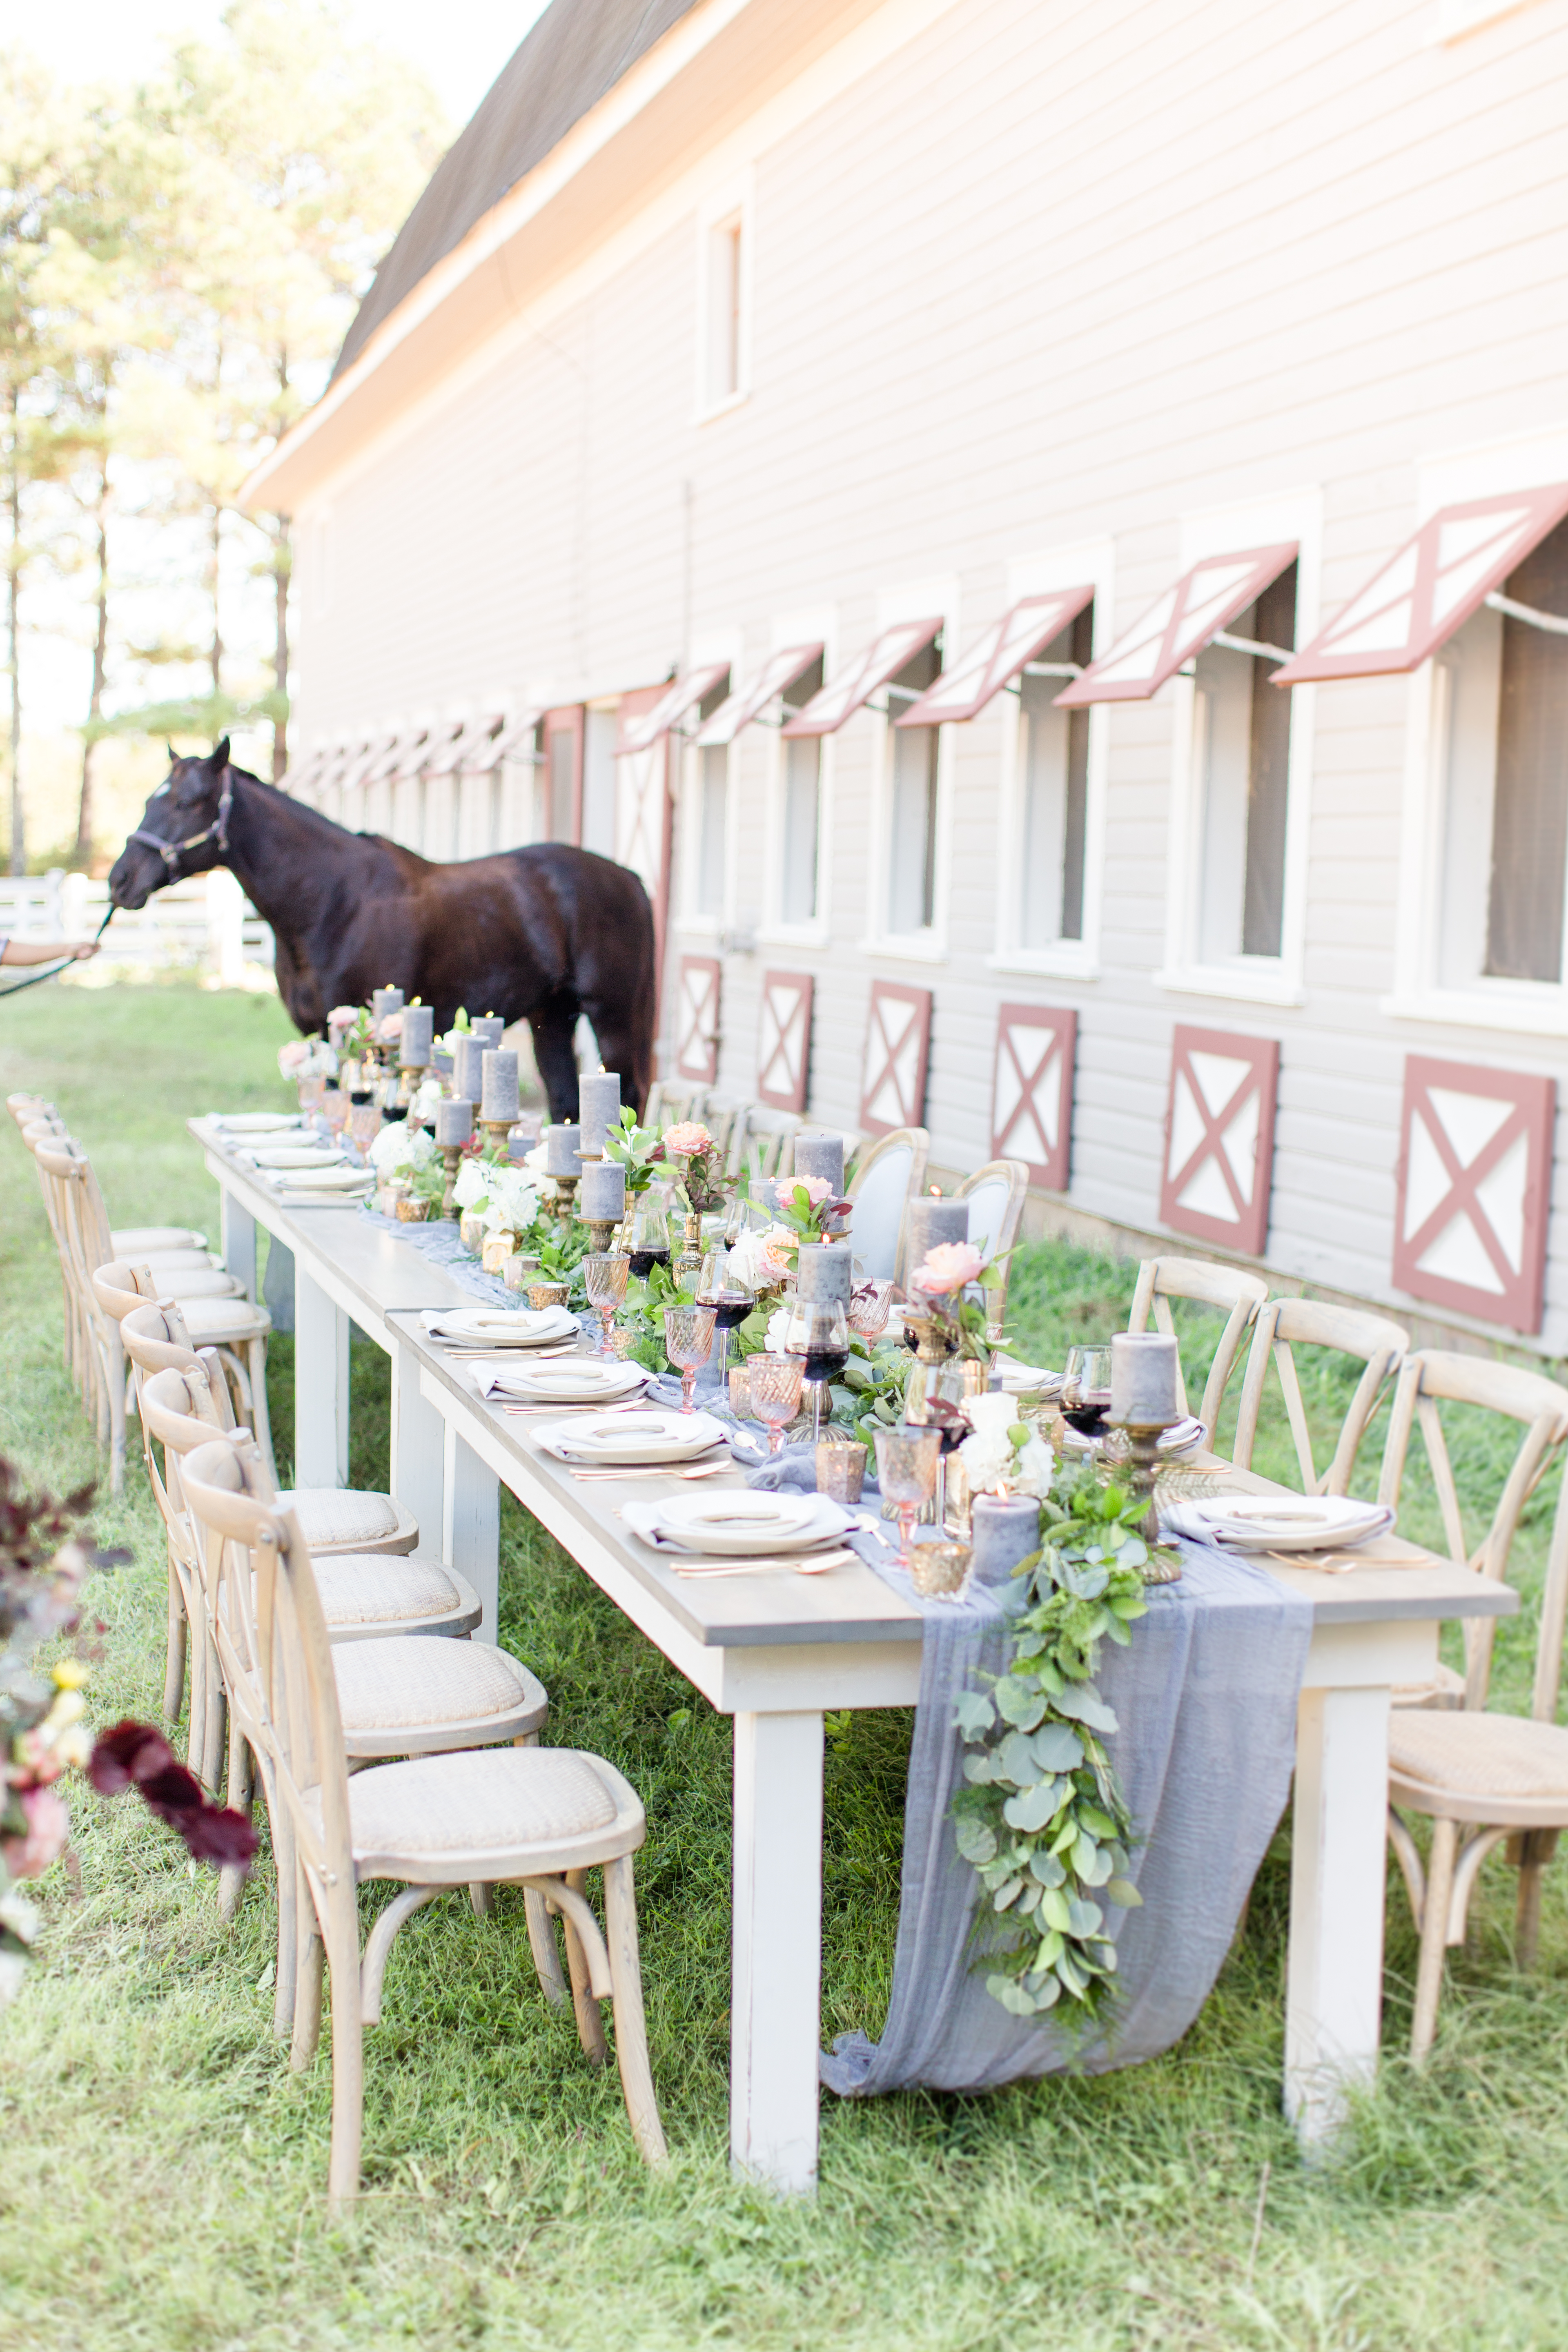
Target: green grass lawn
point(162, 2173)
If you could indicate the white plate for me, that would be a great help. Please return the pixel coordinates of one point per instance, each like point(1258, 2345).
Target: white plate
point(738, 1524)
point(499, 1327)
point(1291, 1522)
point(254, 1122)
point(1183, 1434)
point(828, 1526)
point(571, 1383)
point(653, 1436)
point(295, 1155)
point(1027, 1379)
point(336, 1178)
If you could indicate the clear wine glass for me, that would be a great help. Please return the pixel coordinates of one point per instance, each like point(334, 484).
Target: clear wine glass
point(775, 1393)
point(364, 1118)
point(906, 1473)
point(1086, 1392)
point(689, 1343)
point(605, 1272)
point(649, 1238)
point(720, 1287)
point(870, 1304)
point(818, 1332)
point(335, 1107)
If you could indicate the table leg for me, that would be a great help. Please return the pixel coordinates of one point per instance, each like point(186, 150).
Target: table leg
point(775, 2019)
point(321, 1385)
point(418, 1449)
point(470, 1524)
point(1338, 1875)
point(238, 1241)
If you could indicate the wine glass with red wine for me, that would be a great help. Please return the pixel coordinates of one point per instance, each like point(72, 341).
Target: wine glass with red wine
point(1086, 1392)
point(720, 1287)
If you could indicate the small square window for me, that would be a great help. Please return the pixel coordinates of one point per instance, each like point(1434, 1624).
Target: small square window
point(724, 274)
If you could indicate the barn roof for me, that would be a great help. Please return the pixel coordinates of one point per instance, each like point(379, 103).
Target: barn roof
point(576, 54)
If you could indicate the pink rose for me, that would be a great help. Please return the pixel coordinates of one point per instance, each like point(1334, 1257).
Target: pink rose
point(948, 1268)
point(817, 1188)
point(342, 1016)
point(390, 1028)
point(48, 1826)
point(686, 1138)
point(291, 1055)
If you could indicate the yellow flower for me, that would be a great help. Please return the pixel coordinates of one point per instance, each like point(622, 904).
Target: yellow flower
point(71, 1673)
point(69, 1708)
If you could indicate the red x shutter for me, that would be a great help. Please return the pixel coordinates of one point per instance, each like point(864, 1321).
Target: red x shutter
point(697, 1019)
point(783, 1046)
point(898, 1047)
point(1473, 1189)
point(1219, 1137)
point(1031, 1090)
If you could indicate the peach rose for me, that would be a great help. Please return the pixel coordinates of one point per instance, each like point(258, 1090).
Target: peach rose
point(687, 1138)
point(948, 1268)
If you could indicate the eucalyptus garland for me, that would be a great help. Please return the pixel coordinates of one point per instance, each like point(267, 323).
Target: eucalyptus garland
point(1040, 1817)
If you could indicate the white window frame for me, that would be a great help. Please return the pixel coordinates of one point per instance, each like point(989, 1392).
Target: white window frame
point(1535, 1008)
point(801, 628)
point(1243, 979)
point(728, 207)
point(1035, 576)
point(722, 648)
point(913, 603)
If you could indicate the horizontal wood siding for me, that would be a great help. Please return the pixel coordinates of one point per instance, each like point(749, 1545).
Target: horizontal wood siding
point(1043, 275)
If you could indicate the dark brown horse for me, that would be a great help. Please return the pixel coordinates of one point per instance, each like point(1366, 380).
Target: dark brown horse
point(538, 935)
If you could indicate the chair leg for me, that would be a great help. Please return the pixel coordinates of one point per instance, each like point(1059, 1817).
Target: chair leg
point(1531, 1850)
point(287, 1976)
point(1434, 1937)
point(240, 1797)
point(348, 2057)
point(260, 1420)
point(480, 1894)
point(541, 1944)
point(590, 2024)
point(631, 2028)
point(372, 1968)
point(174, 1650)
point(214, 1741)
point(308, 1987)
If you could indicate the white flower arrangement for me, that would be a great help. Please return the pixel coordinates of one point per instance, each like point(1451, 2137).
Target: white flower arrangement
point(472, 1189)
point(511, 1200)
point(762, 1260)
point(399, 1146)
point(1005, 1454)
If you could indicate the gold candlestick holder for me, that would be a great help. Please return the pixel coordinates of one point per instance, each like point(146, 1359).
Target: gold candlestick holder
point(1141, 1473)
point(410, 1078)
point(689, 1261)
point(453, 1154)
point(496, 1133)
point(565, 1188)
point(601, 1229)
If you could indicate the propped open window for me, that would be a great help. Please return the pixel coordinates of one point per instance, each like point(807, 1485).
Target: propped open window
point(997, 657)
point(778, 675)
point(671, 708)
point(883, 662)
point(1190, 615)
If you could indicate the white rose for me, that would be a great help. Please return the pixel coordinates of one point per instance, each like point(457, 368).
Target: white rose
point(472, 1185)
point(513, 1203)
point(400, 1146)
point(778, 1331)
point(987, 1458)
point(1035, 1465)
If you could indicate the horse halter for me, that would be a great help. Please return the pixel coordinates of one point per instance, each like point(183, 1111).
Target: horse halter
point(170, 852)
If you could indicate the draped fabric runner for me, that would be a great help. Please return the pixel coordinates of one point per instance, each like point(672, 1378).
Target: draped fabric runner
point(1205, 1699)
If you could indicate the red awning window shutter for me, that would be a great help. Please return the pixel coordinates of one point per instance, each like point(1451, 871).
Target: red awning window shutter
point(1179, 625)
point(995, 657)
point(670, 707)
point(778, 675)
point(843, 695)
point(1429, 590)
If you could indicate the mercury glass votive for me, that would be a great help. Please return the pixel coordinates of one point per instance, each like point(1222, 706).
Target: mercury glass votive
point(740, 1391)
point(938, 1570)
point(840, 1469)
point(541, 1295)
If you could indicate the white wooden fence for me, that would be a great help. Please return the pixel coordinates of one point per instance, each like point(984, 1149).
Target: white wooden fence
point(204, 923)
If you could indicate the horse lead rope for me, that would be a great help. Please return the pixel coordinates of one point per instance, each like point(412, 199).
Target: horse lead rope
point(53, 971)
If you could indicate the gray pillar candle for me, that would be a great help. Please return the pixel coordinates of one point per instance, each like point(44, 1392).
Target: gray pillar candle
point(932, 1223)
point(602, 1196)
point(418, 1037)
point(497, 1098)
point(825, 1272)
point(1004, 1529)
point(598, 1105)
point(468, 1071)
point(490, 1029)
point(560, 1148)
point(1145, 1375)
point(821, 1155)
point(454, 1122)
point(385, 1001)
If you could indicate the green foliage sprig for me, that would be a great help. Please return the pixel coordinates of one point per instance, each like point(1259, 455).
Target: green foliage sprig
point(639, 1149)
point(1040, 1818)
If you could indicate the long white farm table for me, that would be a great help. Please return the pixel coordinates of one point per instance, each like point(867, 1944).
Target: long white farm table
point(776, 1651)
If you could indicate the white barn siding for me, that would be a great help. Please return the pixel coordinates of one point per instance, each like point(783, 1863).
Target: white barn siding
point(1042, 274)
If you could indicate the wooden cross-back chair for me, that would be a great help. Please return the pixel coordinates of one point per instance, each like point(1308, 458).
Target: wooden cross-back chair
point(1236, 1294)
point(995, 1194)
point(1483, 1779)
point(1380, 1345)
point(539, 1817)
point(669, 1100)
point(886, 1177)
point(763, 1141)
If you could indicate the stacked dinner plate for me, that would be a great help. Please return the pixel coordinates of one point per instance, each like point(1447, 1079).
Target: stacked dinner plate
point(254, 1122)
point(500, 1327)
point(570, 1381)
point(647, 1435)
point(1275, 1523)
point(711, 1531)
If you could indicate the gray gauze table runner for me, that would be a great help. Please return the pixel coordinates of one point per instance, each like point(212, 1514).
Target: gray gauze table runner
point(1206, 1702)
